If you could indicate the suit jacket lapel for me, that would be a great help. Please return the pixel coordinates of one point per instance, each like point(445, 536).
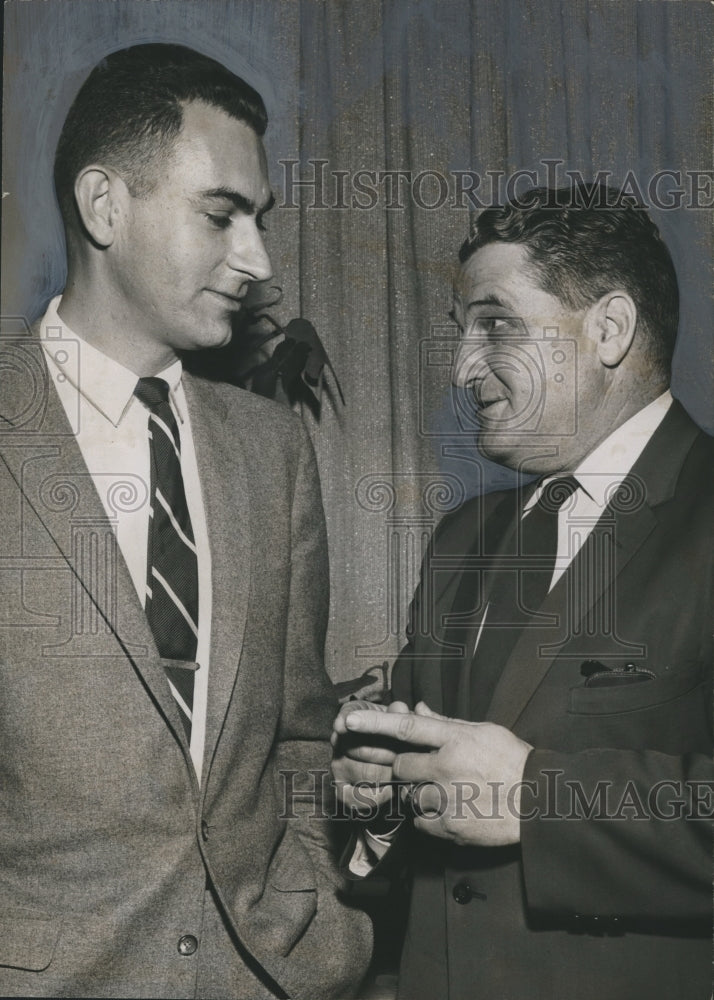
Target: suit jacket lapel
point(608, 551)
point(226, 502)
point(624, 526)
point(58, 493)
point(499, 526)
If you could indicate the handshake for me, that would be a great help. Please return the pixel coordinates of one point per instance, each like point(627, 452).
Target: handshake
point(436, 759)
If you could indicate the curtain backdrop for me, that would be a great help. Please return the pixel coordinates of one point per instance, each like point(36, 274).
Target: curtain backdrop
point(454, 95)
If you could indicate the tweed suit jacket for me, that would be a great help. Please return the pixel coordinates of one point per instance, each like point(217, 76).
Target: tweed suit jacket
point(604, 897)
point(106, 838)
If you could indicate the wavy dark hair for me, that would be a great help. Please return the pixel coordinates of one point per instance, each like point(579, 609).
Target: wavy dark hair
point(584, 241)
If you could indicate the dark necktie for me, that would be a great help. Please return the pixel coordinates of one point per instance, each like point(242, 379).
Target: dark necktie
point(172, 565)
point(517, 591)
point(539, 539)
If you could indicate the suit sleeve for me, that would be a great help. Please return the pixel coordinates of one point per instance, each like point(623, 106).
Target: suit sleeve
point(416, 673)
point(413, 677)
point(618, 835)
point(360, 860)
point(309, 702)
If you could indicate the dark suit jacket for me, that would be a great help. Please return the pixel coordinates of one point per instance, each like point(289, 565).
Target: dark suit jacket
point(612, 900)
point(106, 839)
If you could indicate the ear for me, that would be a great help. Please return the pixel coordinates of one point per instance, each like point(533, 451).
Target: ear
point(99, 193)
point(613, 321)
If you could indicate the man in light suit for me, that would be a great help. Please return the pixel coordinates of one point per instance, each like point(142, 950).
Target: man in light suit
point(164, 584)
point(552, 706)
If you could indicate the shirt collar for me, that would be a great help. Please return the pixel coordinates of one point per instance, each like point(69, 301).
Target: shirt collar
point(105, 383)
point(608, 464)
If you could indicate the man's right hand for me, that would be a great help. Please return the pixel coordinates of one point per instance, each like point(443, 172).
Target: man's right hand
point(365, 763)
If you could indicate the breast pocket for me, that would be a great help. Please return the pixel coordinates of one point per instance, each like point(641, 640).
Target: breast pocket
point(668, 712)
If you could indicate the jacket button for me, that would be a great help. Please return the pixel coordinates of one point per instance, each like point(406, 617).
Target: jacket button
point(187, 944)
point(204, 831)
point(462, 893)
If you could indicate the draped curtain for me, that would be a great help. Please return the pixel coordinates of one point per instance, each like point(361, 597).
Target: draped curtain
point(389, 113)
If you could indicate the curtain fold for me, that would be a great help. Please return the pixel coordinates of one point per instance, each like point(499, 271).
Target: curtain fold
point(454, 95)
point(493, 89)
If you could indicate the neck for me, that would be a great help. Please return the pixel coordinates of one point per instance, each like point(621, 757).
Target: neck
point(90, 308)
point(599, 416)
point(617, 406)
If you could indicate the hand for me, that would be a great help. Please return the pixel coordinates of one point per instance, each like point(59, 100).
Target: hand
point(467, 788)
point(362, 768)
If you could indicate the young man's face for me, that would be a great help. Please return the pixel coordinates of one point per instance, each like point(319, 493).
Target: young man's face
point(534, 373)
point(187, 251)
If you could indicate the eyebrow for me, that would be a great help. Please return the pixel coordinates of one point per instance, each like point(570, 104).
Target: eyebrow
point(488, 300)
point(239, 200)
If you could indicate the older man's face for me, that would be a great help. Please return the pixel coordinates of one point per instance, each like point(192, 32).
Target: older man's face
point(534, 375)
point(188, 251)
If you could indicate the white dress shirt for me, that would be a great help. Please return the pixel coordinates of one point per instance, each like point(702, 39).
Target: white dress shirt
point(112, 430)
point(599, 475)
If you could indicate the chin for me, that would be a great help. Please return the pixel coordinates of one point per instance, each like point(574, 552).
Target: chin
point(514, 453)
point(497, 448)
point(222, 339)
point(211, 339)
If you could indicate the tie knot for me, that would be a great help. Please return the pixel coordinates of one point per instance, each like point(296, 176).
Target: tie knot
point(152, 392)
point(555, 492)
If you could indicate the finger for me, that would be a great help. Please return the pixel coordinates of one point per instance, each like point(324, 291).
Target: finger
point(413, 767)
point(338, 727)
point(433, 825)
point(361, 799)
point(398, 708)
point(360, 746)
point(355, 705)
point(408, 728)
point(429, 800)
point(357, 772)
point(371, 754)
point(423, 709)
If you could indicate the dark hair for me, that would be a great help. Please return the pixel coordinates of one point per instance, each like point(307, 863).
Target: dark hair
point(129, 111)
point(584, 241)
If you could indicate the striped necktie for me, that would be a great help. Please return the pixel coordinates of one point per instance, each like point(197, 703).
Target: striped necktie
point(172, 564)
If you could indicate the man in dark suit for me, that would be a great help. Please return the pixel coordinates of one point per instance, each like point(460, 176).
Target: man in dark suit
point(552, 707)
point(164, 586)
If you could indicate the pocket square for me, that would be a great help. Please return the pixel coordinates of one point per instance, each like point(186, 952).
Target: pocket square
point(596, 674)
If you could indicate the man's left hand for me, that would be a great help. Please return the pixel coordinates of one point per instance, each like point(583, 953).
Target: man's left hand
point(466, 781)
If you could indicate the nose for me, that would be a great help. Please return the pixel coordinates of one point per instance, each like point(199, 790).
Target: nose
point(471, 363)
point(247, 252)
